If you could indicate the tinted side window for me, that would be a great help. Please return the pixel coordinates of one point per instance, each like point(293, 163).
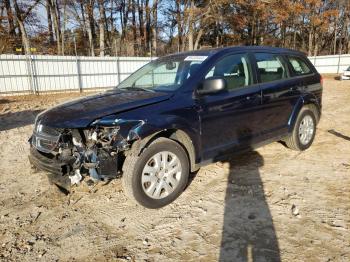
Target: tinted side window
point(270, 67)
point(299, 66)
point(235, 69)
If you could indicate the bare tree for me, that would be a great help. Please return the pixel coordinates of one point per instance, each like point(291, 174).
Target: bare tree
point(10, 18)
point(102, 26)
point(179, 19)
point(140, 5)
point(21, 16)
point(91, 25)
point(54, 9)
point(154, 26)
point(49, 22)
point(148, 25)
point(137, 27)
point(134, 28)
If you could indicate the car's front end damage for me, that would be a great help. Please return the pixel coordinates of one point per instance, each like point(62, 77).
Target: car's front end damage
point(71, 154)
point(88, 136)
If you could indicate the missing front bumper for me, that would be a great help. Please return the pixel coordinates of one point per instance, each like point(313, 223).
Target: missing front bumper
point(58, 172)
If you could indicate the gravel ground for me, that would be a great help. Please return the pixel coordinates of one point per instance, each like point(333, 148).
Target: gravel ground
point(268, 205)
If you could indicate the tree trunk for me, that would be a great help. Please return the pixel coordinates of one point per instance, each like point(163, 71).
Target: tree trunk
point(102, 26)
point(335, 37)
point(24, 36)
point(252, 35)
point(141, 26)
point(91, 41)
point(344, 33)
point(20, 17)
point(179, 25)
point(64, 26)
point(257, 30)
point(110, 24)
point(311, 35)
point(134, 31)
point(198, 38)
point(12, 30)
point(124, 21)
point(284, 28)
point(91, 26)
point(316, 44)
point(82, 10)
point(49, 21)
point(154, 27)
point(346, 29)
point(190, 26)
point(56, 23)
point(294, 36)
point(148, 26)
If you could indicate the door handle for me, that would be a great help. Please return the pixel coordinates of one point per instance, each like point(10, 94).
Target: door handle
point(252, 97)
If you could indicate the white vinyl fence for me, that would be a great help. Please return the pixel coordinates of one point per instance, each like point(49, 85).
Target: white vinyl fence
point(37, 74)
point(42, 73)
point(331, 64)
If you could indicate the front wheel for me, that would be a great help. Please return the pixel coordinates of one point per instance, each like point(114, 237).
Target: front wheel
point(158, 175)
point(304, 130)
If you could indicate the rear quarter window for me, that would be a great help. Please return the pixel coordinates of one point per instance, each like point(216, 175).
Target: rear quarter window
point(299, 66)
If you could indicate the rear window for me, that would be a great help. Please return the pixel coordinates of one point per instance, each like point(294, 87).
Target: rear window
point(270, 67)
point(299, 66)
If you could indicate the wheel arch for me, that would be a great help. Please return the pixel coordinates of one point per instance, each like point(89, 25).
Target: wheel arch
point(175, 134)
point(308, 100)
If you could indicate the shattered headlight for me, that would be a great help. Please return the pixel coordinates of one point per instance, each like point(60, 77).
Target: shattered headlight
point(121, 130)
point(45, 138)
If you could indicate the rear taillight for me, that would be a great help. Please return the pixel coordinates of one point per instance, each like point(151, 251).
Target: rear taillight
point(322, 81)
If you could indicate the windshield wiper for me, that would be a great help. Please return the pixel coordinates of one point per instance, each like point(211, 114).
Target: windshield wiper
point(136, 88)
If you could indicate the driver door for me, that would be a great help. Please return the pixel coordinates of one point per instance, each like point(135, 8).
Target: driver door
point(229, 119)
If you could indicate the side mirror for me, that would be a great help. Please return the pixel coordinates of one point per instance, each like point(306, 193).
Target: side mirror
point(212, 85)
point(170, 65)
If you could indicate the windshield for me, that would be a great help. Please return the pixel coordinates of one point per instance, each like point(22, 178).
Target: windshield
point(163, 74)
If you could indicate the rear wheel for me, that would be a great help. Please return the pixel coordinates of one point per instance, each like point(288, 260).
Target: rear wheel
point(304, 130)
point(158, 175)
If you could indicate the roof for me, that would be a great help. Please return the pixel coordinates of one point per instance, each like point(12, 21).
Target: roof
point(209, 52)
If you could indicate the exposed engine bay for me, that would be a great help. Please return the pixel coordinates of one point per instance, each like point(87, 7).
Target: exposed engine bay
point(93, 151)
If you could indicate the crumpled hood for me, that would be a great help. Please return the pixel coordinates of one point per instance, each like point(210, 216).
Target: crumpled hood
point(81, 112)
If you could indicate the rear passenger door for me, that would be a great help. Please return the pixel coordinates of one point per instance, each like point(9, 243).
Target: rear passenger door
point(280, 93)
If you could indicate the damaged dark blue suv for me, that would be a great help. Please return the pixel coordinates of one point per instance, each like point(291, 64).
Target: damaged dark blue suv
point(177, 113)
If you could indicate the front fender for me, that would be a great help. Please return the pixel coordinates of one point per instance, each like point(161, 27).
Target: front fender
point(138, 129)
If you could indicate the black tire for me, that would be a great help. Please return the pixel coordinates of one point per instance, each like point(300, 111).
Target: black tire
point(293, 140)
point(134, 164)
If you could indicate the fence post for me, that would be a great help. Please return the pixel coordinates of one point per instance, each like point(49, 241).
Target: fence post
point(30, 73)
point(338, 63)
point(315, 59)
point(80, 84)
point(118, 69)
point(34, 74)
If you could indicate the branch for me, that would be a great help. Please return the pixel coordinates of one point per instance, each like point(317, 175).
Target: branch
point(30, 9)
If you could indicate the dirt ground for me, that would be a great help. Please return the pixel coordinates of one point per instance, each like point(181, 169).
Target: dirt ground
point(268, 205)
